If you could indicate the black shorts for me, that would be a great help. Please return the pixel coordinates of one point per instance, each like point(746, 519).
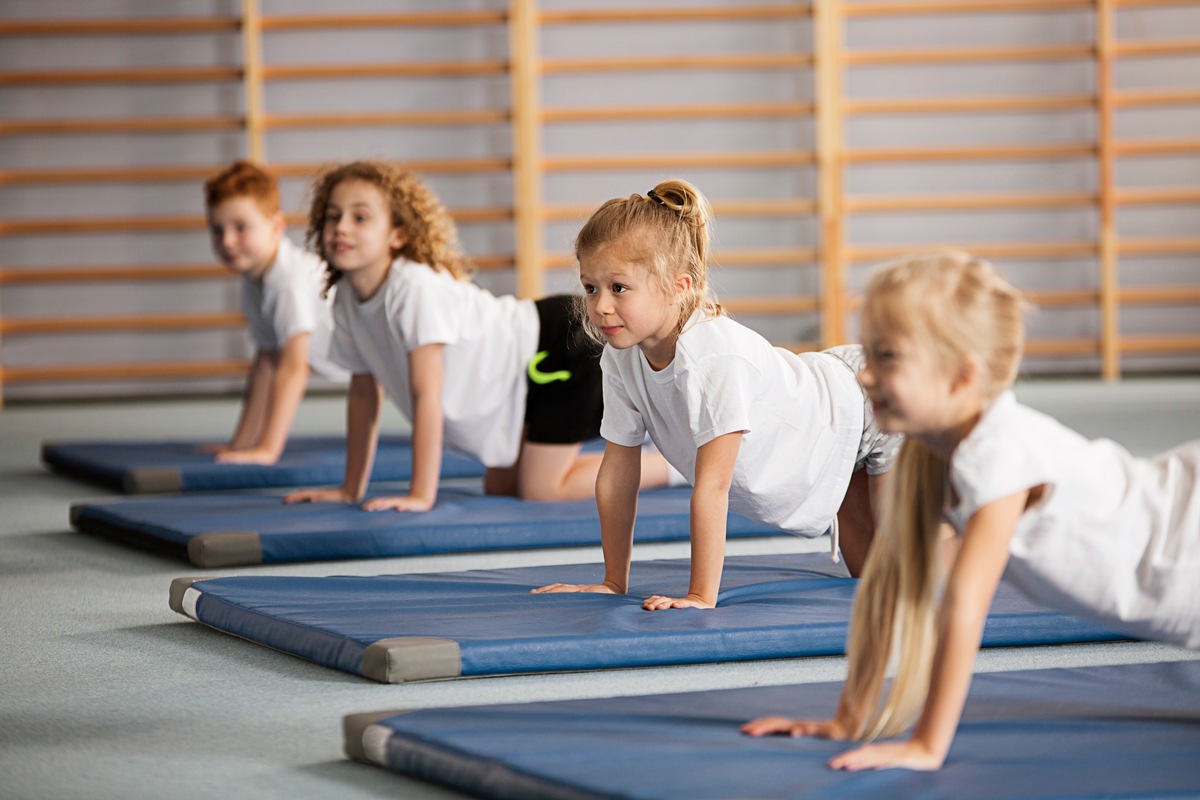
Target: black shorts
point(566, 388)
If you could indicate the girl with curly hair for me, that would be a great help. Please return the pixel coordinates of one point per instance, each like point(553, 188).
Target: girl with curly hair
point(511, 382)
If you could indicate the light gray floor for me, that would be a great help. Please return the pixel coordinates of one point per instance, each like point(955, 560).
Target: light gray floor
point(105, 693)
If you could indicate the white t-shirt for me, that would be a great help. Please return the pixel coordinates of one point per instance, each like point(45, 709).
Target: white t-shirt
point(1114, 537)
point(286, 302)
point(489, 341)
point(802, 418)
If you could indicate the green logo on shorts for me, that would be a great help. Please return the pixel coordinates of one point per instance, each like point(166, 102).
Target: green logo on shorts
point(542, 378)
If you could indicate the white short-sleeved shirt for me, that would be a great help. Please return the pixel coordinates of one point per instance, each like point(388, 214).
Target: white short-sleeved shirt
point(802, 418)
point(1114, 537)
point(286, 302)
point(489, 341)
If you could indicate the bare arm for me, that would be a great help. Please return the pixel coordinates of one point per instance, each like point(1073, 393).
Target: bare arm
point(363, 404)
point(968, 595)
point(254, 405)
point(425, 375)
point(616, 502)
point(288, 376)
point(709, 514)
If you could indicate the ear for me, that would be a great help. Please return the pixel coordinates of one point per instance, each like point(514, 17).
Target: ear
point(683, 285)
point(970, 375)
point(398, 238)
point(278, 223)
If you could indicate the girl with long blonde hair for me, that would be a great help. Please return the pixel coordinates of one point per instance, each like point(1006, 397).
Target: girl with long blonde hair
point(1078, 525)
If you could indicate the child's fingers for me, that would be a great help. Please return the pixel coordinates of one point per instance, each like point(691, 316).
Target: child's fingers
point(768, 725)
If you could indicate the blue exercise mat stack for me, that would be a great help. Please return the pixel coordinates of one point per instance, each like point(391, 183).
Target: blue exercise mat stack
point(236, 529)
point(157, 467)
point(399, 628)
point(1130, 731)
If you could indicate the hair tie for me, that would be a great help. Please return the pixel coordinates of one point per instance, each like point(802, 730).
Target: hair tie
point(653, 195)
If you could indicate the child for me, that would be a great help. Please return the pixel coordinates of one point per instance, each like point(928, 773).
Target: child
point(782, 438)
point(281, 298)
point(1080, 525)
point(511, 382)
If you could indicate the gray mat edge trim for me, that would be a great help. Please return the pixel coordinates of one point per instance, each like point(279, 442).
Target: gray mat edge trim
point(412, 658)
point(355, 725)
point(179, 587)
point(152, 480)
point(225, 549)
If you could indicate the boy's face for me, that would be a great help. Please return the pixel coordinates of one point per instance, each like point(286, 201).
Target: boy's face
point(244, 238)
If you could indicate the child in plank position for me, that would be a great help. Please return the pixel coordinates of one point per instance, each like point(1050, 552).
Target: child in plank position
point(782, 438)
point(512, 382)
point(281, 298)
point(1080, 525)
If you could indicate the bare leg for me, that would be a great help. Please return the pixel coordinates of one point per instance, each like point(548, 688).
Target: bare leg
point(856, 520)
point(562, 472)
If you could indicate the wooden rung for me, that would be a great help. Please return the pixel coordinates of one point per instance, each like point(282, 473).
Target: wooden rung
point(784, 207)
point(491, 263)
point(422, 166)
point(1162, 343)
point(964, 105)
point(51, 127)
point(414, 19)
point(562, 66)
point(708, 111)
point(1157, 147)
point(1156, 97)
point(448, 117)
point(665, 161)
point(1152, 3)
point(153, 322)
point(165, 272)
point(799, 347)
point(1021, 152)
point(1063, 298)
point(1062, 347)
point(177, 222)
point(962, 55)
point(765, 257)
point(1159, 246)
point(952, 202)
point(1005, 250)
point(1157, 49)
point(107, 175)
point(1160, 295)
point(119, 27)
point(44, 227)
point(146, 75)
point(66, 373)
point(869, 9)
point(689, 14)
point(770, 305)
point(1157, 196)
point(411, 69)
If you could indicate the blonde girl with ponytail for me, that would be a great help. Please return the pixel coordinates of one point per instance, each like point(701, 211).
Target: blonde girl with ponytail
point(1078, 525)
point(784, 439)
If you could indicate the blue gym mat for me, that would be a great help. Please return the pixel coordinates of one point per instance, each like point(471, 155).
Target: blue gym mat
point(232, 529)
point(1128, 731)
point(156, 467)
point(398, 628)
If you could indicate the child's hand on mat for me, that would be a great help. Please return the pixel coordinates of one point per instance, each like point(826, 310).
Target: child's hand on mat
point(595, 588)
point(885, 755)
point(824, 729)
point(407, 502)
point(253, 455)
point(338, 495)
point(658, 602)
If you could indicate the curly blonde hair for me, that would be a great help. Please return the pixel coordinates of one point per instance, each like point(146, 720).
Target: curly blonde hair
point(432, 235)
point(679, 218)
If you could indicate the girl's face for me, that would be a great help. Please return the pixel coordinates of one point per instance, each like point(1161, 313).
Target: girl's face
point(358, 233)
point(626, 304)
point(244, 238)
point(911, 390)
